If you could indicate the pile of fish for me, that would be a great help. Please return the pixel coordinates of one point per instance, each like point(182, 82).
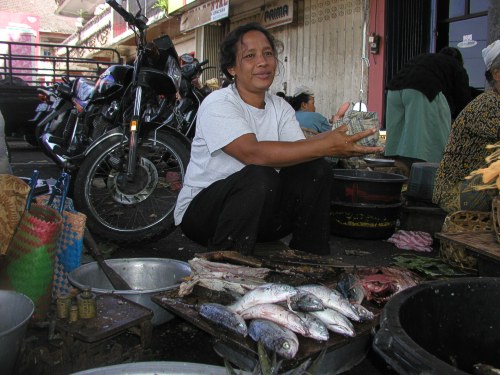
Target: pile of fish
point(278, 312)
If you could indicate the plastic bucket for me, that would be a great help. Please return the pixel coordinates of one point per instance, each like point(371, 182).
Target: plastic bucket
point(15, 312)
point(442, 327)
point(360, 186)
point(146, 277)
point(364, 221)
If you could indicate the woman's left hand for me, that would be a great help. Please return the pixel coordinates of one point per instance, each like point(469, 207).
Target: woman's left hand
point(342, 145)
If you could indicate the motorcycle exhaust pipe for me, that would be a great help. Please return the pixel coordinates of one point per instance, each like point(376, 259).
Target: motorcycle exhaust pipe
point(53, 149)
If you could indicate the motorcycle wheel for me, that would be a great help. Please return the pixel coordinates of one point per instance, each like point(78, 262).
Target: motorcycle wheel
point(131, 211)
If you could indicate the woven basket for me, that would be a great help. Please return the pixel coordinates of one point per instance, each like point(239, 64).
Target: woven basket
point(463, 221)
point(29, 262)
point(495, 216)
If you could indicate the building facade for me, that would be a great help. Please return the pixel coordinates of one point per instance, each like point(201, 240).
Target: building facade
point(345, 50)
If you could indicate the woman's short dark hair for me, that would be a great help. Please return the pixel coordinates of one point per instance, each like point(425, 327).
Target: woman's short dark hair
point(296, 101)
point(228, 48)
point(453, 52)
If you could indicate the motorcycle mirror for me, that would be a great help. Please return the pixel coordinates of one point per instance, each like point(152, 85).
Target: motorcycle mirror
point(140, 8)
point(186, 58)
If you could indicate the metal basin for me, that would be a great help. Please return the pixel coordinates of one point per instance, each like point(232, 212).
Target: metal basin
point(15, 311)
point(159, 368)
point(146, 277)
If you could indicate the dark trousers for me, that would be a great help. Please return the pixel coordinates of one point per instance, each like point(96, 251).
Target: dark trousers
point(258, 204)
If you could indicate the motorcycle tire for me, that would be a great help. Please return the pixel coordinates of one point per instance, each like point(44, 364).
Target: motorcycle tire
point(128, 212)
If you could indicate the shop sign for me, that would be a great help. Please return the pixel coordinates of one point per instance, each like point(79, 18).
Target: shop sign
point(277, 14)
point(204, 14)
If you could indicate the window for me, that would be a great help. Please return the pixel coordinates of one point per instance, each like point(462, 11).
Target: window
point(461, 20)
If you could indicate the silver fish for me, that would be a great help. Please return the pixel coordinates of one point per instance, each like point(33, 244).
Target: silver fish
point(332, 299)
point(335, 321)
point(349, 285)
point(267, 293)
point(277, 314)
point(221, 316)
point(316, 328)
point(304, 301)
point(274, 337)
point(363, 312)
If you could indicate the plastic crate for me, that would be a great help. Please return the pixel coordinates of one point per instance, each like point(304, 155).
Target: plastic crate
point(421, 181)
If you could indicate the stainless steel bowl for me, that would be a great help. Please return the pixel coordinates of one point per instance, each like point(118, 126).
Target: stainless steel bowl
point(146, 277)
point(159, 368)
point(15, 312)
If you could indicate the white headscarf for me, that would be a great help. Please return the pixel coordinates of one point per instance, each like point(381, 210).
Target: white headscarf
point(490, 53)
point(302, 90)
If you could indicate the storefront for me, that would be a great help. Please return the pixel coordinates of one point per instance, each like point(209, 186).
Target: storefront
point(321, 39)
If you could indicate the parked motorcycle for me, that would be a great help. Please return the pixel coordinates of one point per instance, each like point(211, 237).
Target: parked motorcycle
point(131, 167)
point(51, 116)
point(192, 93)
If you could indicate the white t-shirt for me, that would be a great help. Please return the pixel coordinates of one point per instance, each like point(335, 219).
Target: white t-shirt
point(222, 117)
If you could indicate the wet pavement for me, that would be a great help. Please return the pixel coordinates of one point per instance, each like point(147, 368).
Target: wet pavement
point(176, 340)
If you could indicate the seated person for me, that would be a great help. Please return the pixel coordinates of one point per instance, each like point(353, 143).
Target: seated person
point(305, 111)
point(252, 176)
point(477, 126)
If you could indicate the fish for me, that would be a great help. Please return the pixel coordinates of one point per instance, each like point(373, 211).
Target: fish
point(221, 316)
point(349, 285)
point(316, 328)
point(363, 312)
point(380, 284)
point(335, 321)
point(305, 301)
point(332, 299)
point(277, 314)
point(266, 293)
point(202, 266)
point(219, 282)
point(274, 337)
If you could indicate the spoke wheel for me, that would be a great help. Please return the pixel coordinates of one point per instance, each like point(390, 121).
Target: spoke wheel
point(125, 209)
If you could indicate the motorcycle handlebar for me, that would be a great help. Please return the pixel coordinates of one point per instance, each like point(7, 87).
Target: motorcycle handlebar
point(204, 62)
point(128, 17)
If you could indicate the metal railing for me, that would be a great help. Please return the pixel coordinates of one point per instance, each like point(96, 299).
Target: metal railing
point(36, 64)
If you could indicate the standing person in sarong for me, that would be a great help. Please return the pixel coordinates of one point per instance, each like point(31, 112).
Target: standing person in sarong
point(423, 97)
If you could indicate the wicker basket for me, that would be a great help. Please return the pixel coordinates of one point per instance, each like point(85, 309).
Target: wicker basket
point(463, 221)
point(495, 216)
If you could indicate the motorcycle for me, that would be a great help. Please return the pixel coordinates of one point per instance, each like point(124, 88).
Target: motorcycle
point(131, 165)
point(51, 116)
point(191, 93)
